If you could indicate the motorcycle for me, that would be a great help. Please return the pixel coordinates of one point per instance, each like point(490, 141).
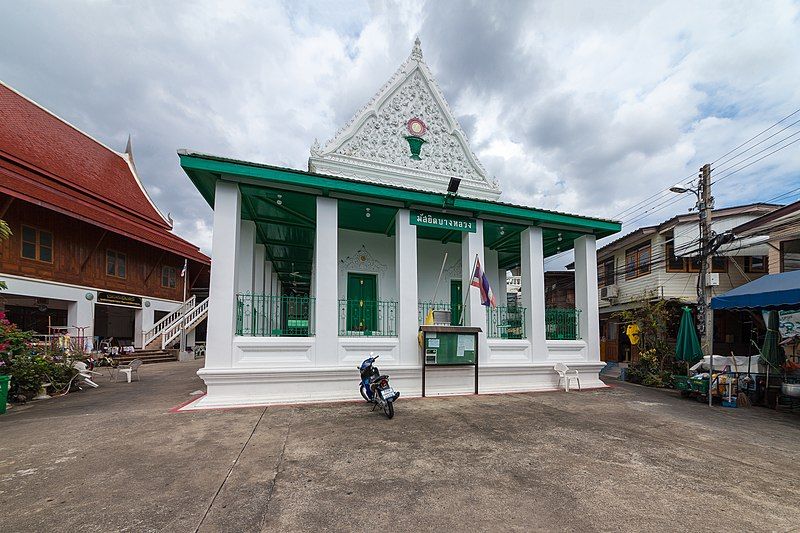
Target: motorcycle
point(375, 387)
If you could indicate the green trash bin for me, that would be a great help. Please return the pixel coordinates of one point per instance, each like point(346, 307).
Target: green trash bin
point(4, 382)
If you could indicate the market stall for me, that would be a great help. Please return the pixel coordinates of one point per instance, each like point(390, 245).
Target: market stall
point(779, 385)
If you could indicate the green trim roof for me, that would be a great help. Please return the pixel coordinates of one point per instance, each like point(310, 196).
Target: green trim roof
point(204, 170)
point(281, 203)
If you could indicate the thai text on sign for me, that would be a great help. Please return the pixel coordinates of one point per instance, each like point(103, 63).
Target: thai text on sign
point(438, 220)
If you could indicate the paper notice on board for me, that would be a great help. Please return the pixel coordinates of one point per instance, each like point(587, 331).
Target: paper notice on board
point(469, 342)
point(461, 345)
point(433, 343)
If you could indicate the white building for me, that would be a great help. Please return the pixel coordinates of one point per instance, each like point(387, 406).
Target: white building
point(315, 269)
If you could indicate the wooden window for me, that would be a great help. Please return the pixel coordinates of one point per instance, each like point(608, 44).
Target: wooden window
point(637, 261)
point(719, 264)
point(755, 265)
point(37, 244)
point(607, 274)
point(674, 263)
point(790, 255)
point(115, 264)
point(169, 277)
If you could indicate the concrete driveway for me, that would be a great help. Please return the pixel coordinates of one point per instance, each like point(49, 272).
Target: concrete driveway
point(626, 458)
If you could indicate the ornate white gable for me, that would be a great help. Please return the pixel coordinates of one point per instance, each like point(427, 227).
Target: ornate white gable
point(406, 135)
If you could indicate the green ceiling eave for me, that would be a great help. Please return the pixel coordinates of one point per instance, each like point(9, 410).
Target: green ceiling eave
point(204, 170)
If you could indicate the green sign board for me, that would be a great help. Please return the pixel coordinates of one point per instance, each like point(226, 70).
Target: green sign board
point(439, 220)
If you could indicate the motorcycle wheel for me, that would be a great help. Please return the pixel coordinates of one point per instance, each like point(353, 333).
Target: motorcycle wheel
point(389, 409)
point(363, 392)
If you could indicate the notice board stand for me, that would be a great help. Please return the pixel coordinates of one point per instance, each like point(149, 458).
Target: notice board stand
point(449, 346)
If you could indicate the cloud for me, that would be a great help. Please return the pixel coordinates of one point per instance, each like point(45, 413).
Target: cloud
point(583, 106)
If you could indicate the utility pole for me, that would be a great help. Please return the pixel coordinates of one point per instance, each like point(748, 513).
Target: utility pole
point(705, 313)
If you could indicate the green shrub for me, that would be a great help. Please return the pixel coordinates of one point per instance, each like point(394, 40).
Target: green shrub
point(29, 367)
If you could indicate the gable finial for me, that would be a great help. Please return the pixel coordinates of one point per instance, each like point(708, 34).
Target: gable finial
point(416, 52)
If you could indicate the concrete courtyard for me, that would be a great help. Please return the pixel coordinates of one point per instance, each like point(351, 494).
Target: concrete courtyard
point(627, 458)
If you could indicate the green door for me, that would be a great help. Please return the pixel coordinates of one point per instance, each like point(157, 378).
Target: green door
point(362, 305)
point(455, 302)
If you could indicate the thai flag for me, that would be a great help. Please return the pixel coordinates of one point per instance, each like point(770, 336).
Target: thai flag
point(479, 280)
point(183, 272)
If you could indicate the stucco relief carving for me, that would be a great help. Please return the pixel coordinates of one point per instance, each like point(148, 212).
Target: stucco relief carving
point(375, 138)
point(454, 270)
point(362, 261)
point(382, 136)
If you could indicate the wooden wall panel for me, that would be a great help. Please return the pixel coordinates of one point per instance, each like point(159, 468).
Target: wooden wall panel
point(74, 241)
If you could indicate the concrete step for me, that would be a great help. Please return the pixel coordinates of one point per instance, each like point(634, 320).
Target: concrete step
point(611, 370)
point(149, 356)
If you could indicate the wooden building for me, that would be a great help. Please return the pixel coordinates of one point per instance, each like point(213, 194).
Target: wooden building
point(89, 249)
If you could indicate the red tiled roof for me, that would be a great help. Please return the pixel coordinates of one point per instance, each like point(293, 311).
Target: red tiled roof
point(46, 161)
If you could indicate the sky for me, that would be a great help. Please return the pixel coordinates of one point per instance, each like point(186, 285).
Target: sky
point(579, 106)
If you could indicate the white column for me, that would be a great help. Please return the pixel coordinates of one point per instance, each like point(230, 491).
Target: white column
point(143, 321)
point(586, 294)
point(326, 279)
point(247, 246)
point(475, 313)
point(405, 258)
point(224, 276)
point(259, 257)
point(81, 313)
point(532, 271)
point(502, 288)
point(492, 271)
point(268, 278)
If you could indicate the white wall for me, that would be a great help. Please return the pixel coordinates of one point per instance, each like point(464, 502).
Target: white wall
point(429, 261)
point(379, 260)
point(670, 285)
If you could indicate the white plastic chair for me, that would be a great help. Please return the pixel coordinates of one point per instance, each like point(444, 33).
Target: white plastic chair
point(130, 369)
point(85, 373)
point(564, 373)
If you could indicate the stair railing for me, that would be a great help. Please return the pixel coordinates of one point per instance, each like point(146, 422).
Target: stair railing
point(154, 332)
point(191, 319)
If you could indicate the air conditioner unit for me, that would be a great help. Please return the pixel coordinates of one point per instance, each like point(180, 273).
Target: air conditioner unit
point(608, 292)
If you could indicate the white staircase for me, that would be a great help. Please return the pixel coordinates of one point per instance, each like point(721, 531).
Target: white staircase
point(168, 329)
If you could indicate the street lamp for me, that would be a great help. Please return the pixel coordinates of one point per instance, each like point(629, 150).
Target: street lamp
point(703, 194)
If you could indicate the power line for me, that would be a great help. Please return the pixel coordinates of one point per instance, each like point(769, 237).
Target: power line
point(759, 152)
point(754, 162)
point(758, 135)
point(630, 211)
point(760, 142)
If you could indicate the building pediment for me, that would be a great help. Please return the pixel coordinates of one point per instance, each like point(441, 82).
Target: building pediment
point(406, 135)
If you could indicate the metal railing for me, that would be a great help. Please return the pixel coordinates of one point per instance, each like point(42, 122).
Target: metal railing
point(562, 324)
point(505, 322)
point(374, 318)
point(190, 319)
point(262, 315)
point(424, 307)
point(169, 320)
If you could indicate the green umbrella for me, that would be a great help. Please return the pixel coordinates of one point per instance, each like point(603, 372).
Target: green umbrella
point(688, 346)
point(771, 352)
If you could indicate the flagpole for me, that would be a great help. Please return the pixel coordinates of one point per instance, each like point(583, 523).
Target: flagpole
point(469, 288)
point(441, 270)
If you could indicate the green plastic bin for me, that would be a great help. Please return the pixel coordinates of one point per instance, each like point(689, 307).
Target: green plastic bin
point(4, 382)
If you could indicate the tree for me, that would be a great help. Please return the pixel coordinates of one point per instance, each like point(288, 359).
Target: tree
point(653, 316)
